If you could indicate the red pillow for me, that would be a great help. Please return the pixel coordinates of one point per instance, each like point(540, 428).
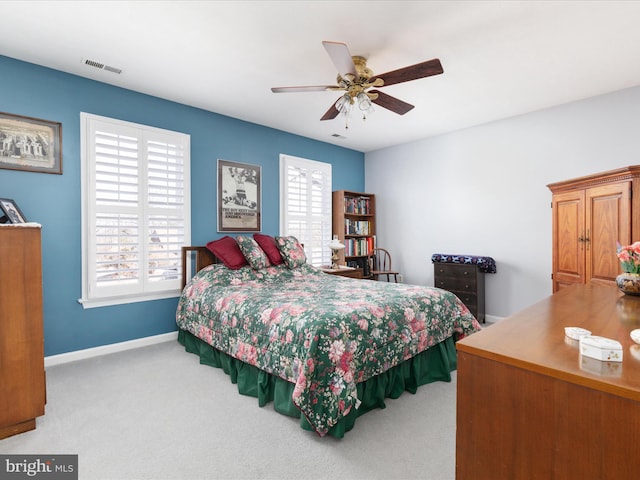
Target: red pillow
point(227, 250)
point(268, 244)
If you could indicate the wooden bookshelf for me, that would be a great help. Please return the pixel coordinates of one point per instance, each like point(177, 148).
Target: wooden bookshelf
point(354, 222)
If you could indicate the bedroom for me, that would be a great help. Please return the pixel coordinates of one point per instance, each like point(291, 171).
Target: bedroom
point(492, 177)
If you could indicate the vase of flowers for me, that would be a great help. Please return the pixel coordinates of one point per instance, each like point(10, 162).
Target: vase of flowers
point(629, 281)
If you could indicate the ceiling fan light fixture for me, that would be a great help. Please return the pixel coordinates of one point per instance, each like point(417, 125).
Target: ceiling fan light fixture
point(344, 106)
point(364, 102)
point(368, 111)
point(343, 102)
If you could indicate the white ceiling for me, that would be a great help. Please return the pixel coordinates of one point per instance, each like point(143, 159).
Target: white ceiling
point(500, 58)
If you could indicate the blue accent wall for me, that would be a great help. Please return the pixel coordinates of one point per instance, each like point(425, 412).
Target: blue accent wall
point(54, 200)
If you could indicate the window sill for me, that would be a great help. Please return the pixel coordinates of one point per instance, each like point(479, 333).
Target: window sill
point(124, 299)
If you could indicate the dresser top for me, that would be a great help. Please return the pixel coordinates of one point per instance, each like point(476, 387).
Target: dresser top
point(534, 338)
point(485, 264)
point(21, 225)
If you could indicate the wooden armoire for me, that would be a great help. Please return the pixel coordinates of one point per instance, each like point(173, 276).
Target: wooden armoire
point(22, 376)
point(591, 215)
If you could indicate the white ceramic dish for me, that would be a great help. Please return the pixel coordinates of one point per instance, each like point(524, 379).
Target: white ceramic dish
point(601, 348)
point(576, 333)
point(635, 335)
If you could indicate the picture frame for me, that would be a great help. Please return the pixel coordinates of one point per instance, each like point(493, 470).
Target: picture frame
point(10, 213)
point(239, 197)
point(30, 144)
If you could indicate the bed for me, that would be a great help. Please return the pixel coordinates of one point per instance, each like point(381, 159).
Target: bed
point(320, 347)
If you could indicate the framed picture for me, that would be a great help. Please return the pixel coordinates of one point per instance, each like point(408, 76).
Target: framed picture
point(30, 144)
point(10, 213)
point(239, 197)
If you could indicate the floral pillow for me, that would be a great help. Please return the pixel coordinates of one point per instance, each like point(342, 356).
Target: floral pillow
point(252, 252)
point(291, 251)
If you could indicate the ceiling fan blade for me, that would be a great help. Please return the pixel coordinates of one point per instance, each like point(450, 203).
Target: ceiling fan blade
point(391, 103)
point(341, 58)
point(331, 113)
point(413, 72)
point(311, 88)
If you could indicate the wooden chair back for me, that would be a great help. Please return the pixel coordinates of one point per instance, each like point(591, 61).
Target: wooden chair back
point(382, 265)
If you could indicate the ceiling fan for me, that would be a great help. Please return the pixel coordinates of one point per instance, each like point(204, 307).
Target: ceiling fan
point(355, 79)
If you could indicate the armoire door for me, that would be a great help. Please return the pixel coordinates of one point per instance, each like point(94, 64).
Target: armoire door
point(608, 221)
point(568, 239)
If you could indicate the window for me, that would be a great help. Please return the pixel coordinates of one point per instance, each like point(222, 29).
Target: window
point(305, 200)
point(135, 211)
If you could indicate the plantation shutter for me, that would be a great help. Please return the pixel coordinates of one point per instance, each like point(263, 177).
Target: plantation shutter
point(306, 205)
point(136, 208)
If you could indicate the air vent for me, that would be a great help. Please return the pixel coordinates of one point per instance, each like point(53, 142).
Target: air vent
point(101, 66)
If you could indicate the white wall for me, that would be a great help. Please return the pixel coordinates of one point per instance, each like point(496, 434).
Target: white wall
point(482, 191)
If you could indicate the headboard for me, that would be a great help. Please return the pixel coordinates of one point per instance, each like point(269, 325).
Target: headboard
point(195, 259)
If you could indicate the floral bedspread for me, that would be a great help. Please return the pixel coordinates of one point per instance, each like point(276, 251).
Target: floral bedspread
point(324, 333)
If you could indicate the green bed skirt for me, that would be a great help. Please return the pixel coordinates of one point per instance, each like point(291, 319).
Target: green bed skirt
point(434, 364)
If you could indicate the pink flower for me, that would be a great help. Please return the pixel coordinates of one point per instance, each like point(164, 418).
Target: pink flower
point(422, 341)
point(417, 325)
point(296, 309)
point(409, 314)
point(265, 316)
point(301, 384)
point(336, 351)
point(345, 361)
point(252, 355)
point(348, 376)
point(310, 365)
point(629, 257)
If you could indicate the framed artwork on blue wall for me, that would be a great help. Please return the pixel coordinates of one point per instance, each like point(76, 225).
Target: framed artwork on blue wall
point(239, 197)
point(30, 144)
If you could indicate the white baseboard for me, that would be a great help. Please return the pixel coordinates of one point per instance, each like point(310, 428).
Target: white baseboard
point(52, 360)
point(492, 318)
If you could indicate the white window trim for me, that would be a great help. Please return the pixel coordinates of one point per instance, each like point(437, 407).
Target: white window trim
point(286, 160)
point(87, 300)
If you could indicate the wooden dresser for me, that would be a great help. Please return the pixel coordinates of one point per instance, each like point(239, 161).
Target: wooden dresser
point(22, 376)
point(529, 406)
point(466, 281)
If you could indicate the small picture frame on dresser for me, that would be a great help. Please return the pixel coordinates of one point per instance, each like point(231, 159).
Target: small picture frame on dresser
point(10, 213)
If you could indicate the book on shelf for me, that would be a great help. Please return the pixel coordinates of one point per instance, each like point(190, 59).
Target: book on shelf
point(356, 227)
point(358, 247)
point(357, 205)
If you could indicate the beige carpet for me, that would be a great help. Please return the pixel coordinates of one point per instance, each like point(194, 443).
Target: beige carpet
point(156, 413)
